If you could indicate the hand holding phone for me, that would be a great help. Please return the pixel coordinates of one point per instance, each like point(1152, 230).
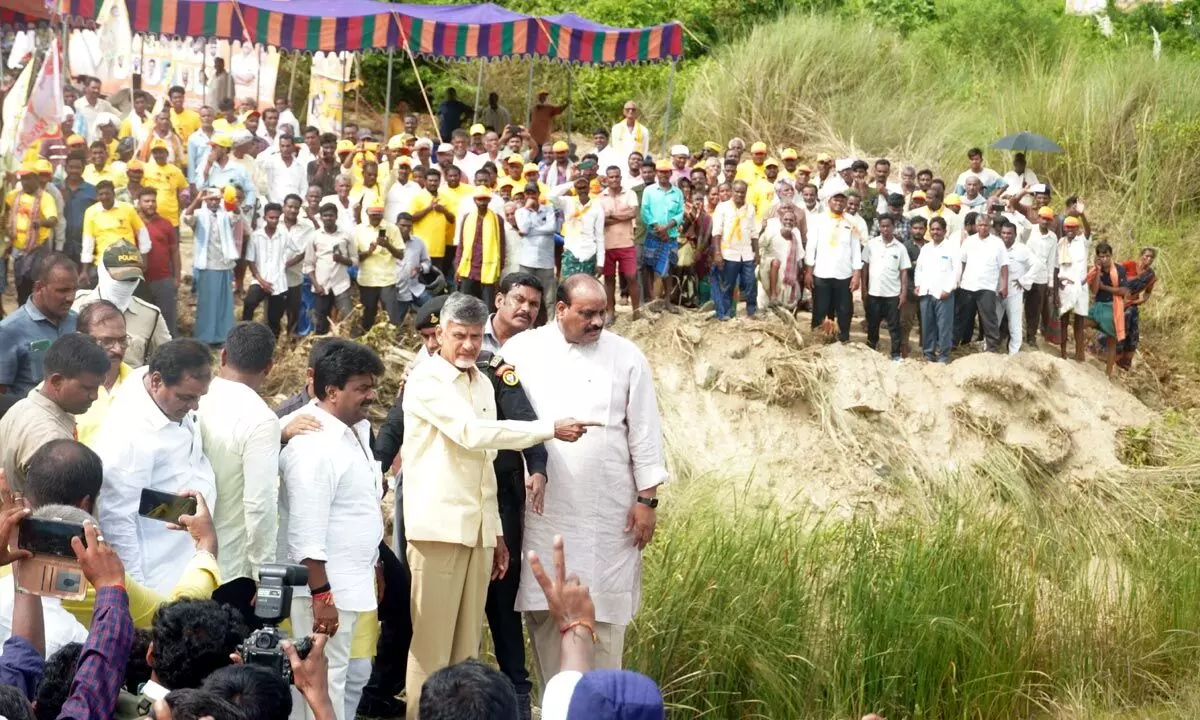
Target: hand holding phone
point(164, 506)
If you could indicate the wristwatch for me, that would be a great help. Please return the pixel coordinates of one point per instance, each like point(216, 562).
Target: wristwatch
point(651, 503)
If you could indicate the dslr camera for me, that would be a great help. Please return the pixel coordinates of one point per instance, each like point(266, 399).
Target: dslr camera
point(272, 605)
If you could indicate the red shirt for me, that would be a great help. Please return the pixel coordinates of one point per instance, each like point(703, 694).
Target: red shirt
point(163, 242)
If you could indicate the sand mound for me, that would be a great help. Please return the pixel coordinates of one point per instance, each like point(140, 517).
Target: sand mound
point(839, 427)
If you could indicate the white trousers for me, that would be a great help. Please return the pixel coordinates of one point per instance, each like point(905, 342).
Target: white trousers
point(1014, 307)
point(357, 675)
point(547, 644)
point(337, 651)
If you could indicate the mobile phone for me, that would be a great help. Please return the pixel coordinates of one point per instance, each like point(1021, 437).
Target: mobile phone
point(165, 506)
point(48, 537)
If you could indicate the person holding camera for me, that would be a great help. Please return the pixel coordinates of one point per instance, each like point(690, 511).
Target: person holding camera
point(329, 517)
point(379, 247)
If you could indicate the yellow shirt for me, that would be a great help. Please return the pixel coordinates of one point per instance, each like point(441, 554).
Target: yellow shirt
point(168, 180)
point(222, 125)
point(24, 210)
point(87, 424)
point(433, 229)
point(761, 195)
point(33, 153)
point(368, 196)
point(127, 125)
point(110, 226)
point(185, 123)
point(748, 172)
point(113, 173)
point(199, 579)
point(112, 150)
point(460, 193)
point(379, 268)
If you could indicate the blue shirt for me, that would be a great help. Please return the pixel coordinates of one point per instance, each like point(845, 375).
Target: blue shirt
point(76, 203)
point(660, 207)
point(231, 174)
point(25, 336)
point(450, 115)
point(198, 147)
point(537, 247)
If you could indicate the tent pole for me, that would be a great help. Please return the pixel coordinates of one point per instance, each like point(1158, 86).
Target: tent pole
point(667, 117)
point(478, 90)
point(258, 77)
point(570, 92)
point(529, 95)
point(416, 73)
point(387, 97)
point(346, 66)
point(357, 70)
point(292, 84)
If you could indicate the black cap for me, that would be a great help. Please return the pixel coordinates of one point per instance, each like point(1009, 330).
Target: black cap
point(430, 313)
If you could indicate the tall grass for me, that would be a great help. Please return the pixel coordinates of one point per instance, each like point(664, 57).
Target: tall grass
point(981, 612)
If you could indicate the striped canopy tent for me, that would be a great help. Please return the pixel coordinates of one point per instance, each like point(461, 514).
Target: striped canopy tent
point(23, 13)
point(572, 39)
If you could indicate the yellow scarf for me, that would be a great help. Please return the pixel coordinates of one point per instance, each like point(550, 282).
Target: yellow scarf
point(489, 270)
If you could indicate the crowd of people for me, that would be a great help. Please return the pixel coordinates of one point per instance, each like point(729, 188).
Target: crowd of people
point(524, 426)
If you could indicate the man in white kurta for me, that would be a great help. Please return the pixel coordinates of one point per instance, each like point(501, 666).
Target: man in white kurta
point(151, 439)
point(601, 491)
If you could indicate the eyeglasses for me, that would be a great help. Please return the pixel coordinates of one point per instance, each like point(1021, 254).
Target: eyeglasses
point(121, 342)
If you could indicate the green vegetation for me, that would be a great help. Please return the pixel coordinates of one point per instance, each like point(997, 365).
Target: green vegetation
point(1020, 597)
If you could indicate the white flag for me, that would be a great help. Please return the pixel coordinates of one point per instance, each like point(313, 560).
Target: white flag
point(116, 40)
point(44, 111)
point(14, 105)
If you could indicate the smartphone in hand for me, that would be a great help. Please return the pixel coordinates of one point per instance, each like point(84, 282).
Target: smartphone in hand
point(53, 570)
point(165, 506)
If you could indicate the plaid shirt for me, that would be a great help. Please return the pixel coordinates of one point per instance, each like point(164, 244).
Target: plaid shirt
point(899, 227)
point(101, 668)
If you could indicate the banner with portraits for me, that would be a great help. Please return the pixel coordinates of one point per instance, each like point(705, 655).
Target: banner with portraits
point(330, 76)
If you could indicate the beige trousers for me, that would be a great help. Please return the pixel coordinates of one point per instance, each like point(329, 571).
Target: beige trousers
point(547, 644)
point(449, 589)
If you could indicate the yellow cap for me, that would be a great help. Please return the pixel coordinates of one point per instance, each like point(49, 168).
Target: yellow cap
point(222, 140)
point(482, 193)
point(804, 169)
point(771, 162)
point(561, 146)
point(1046, 212)
point(663, 166)
point(404, 160)
point(530, 168)
point(345, 146)
point(371, 147)
point(396, 142)
point(135, 165)
point(229, 194)
point(790, 154)
point(918, 195)
point(376, 205)
point(75, 140)
point(824, 157)
point(594, 186)
point(367, 157)
point(478, 129)
point(758, 148)
point(43, 167)
point(514, 159)
point(952, 199)
point(715, 147)
point(158, 144)
point(1071, 222)
point(26, 168)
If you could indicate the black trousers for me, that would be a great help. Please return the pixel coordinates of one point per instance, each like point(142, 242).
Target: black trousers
point(881, 309)
point(276, 306)
point(1037, 311)
point(486, 293)
point(395, 628)
point(294, 297)
point(987, 304)
point(503, 620)
point(372, 298)
point(831, 298)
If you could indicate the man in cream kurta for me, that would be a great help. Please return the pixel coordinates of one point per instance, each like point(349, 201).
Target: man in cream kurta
point(601, 492)
point(451, 517)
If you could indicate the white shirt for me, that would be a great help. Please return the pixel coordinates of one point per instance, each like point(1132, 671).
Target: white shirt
point(1016, 183)
point(987, 177)
point(60, 627)
point(345, 221)
point(329, 506)
point(318, 260)
point(595, 480)
point(1077, 251)
point(937, 270)
point(1024, 227)
point(269, 253)
point(399, 199)
point(241, 441)
point(283, 179)
point(299, 240)
point(1045, 249)
point(142, 448)
point(834, 247)
point(582, 226)
point(737, 228)
point(625, 140)
point(982, 259)
point(885, 261)
point(1021, 267)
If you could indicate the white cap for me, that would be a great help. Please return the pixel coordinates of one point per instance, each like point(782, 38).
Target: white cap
point(844, 164)
point(1040, 188)
point(679, 150)
point(241, 137)
point(424, 143)
point(445, 147)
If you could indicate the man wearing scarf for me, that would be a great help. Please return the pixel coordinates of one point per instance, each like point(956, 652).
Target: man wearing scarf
point(32, 216)
point(629, 134)
point(1108, 281)
point(117, 278)
point(479, 254)
point(215, 256)
point(582, 227)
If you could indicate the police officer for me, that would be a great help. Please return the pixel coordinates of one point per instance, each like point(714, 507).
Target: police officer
point(387, 678)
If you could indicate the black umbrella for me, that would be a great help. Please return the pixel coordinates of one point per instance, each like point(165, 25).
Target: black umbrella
point(1027, 142)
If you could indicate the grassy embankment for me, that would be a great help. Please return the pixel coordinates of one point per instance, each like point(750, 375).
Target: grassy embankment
point(1023, 594)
